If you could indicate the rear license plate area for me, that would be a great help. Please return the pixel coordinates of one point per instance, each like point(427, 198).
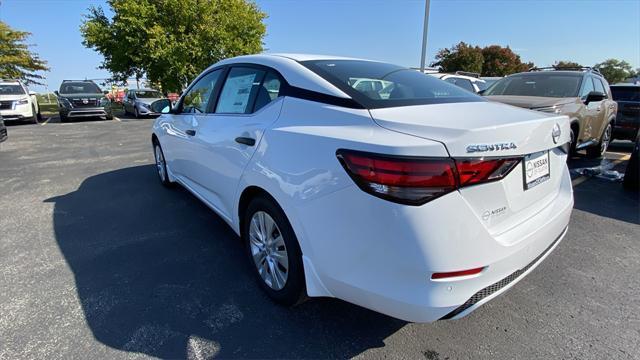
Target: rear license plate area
point(535, 169)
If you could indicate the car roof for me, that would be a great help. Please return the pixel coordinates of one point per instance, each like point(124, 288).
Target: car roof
point(555, 72)
point(470, 78)
point(143, 90)
point(289, 66)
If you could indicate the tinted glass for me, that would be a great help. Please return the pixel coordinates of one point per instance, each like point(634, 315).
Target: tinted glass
point(587, 87)
point(483, 85)
point(269, 91)
point(240, 90)
point(375, 84)
point(626, 93)
point(79, 88)
point(11, 90)
point(548, 85)
point(599, 86)
point(463, 83)
point(148, 94)
point(197, 98)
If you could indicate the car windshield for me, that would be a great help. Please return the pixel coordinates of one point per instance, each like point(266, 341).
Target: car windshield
point(626, 93)
point(79, 88)
point(377, 85)
point(547, 85)
point(11, 89)
point(148, 94)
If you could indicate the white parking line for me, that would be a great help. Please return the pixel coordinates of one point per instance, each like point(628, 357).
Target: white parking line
point(117, 119)
point(45, 122)
point(580, 179)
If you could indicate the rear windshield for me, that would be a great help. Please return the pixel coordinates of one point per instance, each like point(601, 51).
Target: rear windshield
point(79, 88)
point(11, 89)
point(626, 93)
point(377, 85)
point(552, 85)
point(148, 94)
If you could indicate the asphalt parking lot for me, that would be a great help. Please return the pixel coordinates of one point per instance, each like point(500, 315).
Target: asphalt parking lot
point(98, 260)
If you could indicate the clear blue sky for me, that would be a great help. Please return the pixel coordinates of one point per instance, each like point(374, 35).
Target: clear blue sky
point(540, 31)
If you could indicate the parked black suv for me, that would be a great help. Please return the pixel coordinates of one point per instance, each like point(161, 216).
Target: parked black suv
point(82, 99)
point(627, 121)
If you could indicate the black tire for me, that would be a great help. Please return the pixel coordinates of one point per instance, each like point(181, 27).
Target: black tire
point(135, 113)
point(294, 291)
point(33, 119)
point(597, 151)
point(63, 118)
point(109, 116)
point(161, 168)
point(572, 146)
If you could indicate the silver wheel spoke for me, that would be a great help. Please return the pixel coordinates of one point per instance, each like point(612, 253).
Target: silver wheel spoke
point(268, 250)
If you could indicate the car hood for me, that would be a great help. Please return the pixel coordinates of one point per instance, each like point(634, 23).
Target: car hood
point(461, 125)
point(148, 101)
point(530, 102)
point(12, 97)
point(82, 96)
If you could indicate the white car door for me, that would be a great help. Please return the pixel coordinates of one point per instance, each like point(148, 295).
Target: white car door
point(181, 127)
point(226, 139)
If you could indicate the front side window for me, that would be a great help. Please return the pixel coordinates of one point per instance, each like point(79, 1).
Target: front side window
point(197, 98)
point(240, 90)
point(537, 84)
point(11, 89)
point(599, 87)
point(587, 87)
point(375, 85)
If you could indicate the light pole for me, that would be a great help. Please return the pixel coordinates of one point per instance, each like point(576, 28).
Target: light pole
point(424, 35)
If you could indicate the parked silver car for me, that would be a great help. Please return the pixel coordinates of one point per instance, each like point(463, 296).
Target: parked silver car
point(138, 102)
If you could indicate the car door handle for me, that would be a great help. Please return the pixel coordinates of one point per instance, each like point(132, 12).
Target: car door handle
point(246, 140)
point(191, 132)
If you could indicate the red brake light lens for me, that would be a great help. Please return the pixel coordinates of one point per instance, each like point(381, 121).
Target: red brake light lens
point(445, 275)
point(417, 180)
point(406, 180)
point(475, 171)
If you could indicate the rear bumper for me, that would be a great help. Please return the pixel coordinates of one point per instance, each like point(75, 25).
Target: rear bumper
point(386, 265)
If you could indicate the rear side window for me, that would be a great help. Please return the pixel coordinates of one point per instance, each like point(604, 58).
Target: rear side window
point(240, 90)
point(626, 93)
point(463, 83)
point(377, 85)
point(268, 91)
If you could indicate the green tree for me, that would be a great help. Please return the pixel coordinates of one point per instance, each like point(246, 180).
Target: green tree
point(170, 41)
point(501, 61)
point(460, 57)
point(16, 60)
point(615, 70)
point(564, 64)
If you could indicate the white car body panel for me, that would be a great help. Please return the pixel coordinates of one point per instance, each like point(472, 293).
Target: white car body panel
point(16, 111)
point(346, 234)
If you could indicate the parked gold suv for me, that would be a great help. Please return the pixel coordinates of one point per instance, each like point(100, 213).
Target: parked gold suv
point(580, 93)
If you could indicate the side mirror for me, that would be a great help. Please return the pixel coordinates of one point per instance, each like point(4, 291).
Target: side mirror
point(594, 96)
point(481, 92)
point(32, 93)
point(162, 106)
point(57, 93)
point(105, 92)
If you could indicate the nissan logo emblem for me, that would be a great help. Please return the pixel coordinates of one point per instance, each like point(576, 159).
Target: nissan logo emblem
point(555, 133)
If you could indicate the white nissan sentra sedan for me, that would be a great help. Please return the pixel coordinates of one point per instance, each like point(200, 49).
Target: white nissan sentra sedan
point(370, 182)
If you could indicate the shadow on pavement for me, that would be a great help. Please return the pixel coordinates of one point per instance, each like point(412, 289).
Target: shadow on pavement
point(608, 199)
point(158, 273)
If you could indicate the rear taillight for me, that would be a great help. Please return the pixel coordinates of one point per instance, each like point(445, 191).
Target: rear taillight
point(417, 180)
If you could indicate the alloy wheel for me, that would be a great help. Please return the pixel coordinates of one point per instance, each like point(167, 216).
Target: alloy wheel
point(268, 250)
point(606, 139)
point(160, 165)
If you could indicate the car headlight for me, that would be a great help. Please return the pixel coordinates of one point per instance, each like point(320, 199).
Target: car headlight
point(24, 101)
point(549, 109)
point(65, 103)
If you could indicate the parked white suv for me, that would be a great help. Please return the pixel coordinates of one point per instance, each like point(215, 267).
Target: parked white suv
point(465, 80)
point(17, 103)
point(408, 196)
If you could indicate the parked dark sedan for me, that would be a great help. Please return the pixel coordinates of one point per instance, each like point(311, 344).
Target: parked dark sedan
point(628, 119)
point(3, 130)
